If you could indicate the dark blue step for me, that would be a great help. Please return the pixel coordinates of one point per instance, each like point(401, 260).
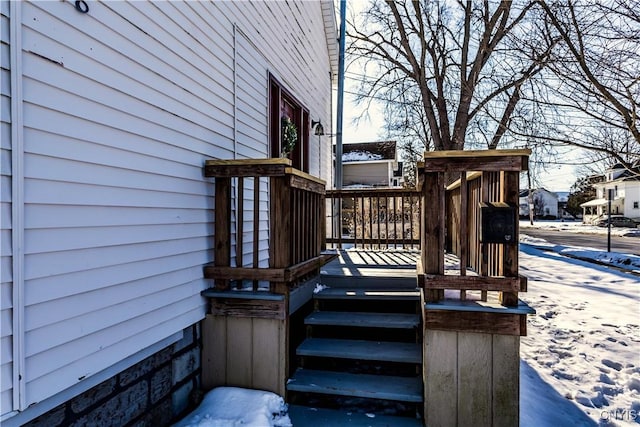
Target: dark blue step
point(361, 350)
point(364, 320)
point(403, 389)
point(303, 416)
point(369, 294)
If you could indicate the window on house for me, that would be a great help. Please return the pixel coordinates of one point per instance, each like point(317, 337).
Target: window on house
point(635, 205)
point(283, 105)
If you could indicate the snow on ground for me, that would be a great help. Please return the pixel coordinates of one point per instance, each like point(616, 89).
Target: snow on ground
point(626, 261)
point(579, 227)
point(231, 406)
point(583, 342)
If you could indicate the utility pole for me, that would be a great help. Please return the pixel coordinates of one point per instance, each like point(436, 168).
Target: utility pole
point(609, 196)
point(340, 112)
point(339, 116)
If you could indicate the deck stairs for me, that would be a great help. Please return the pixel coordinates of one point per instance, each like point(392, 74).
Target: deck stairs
point(361, 361)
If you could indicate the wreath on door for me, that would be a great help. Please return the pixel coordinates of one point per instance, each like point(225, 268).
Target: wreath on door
point(289, 136)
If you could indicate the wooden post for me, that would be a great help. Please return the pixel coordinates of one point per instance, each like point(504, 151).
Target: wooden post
point(240, 222)
point(256, 226)
point(510, 257)
point(463, 229)
point(471, 358)
point(280, 216)
point(322, 224)
point(484, 247)
point(222, 238)
point(434, 216)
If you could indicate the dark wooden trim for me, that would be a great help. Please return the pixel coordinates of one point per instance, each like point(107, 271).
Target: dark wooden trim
point(222, 238)
point(482, 160)
point(256, 308)
point(238, 273)
point(303, 183)
point(469, 321)
point(230, 169)
point(305, 137)
point(375, 241)
point(377, 192)
point(275, 94)
point(451, 154)
point(301, 269)
point(476, 164)
point(472, 283)
point(289, 274)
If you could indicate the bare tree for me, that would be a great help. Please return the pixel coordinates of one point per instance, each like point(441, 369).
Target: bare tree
point(446, 71)
point(593, 83)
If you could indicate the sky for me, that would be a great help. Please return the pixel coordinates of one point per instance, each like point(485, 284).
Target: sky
point(580, 360)
point(371, 128)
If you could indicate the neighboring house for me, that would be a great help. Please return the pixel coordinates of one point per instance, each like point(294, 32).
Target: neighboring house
point(371, 164)
point(545, 203)
point(109, 111)
point(563, 199)
point(625, 189)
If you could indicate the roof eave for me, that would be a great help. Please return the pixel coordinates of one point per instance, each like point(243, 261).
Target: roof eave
point(331, 35)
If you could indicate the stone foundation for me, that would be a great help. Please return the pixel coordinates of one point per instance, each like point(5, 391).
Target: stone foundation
point(155, 392)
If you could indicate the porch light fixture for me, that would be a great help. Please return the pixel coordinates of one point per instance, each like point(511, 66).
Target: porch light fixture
point(319, 129)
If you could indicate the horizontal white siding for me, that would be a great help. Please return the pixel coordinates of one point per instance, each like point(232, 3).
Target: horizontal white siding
point(367, 173)
point(6, 291)
point(291, 36)
point(122, 107)
point(252, 112)
point(118, 122)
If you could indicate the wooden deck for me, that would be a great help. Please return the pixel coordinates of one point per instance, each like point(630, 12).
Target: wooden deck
point(393, 269)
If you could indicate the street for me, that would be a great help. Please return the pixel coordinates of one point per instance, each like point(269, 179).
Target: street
point(628, 245)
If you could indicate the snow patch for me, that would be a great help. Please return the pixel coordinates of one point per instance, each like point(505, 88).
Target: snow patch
point(360, 156)
point(319, 288)
point(232, 406)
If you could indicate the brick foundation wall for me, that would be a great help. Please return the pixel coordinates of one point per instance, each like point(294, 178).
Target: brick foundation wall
point(155, 392)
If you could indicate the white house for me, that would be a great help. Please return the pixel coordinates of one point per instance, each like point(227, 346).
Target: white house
point(625, 189)
point(371, 164)
point(545, 203)
point(109, 111)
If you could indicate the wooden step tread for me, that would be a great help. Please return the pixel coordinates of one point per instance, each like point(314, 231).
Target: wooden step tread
point(361, 350)
point(372, 279)
point(363, 320)
point(304, 416)
point(369, 294)
point(403, 389)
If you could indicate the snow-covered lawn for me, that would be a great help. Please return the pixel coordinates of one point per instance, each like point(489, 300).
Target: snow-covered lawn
point(584, 342)
point(578, 227)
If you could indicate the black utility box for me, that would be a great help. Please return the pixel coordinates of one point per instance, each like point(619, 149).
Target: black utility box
point(498, 223)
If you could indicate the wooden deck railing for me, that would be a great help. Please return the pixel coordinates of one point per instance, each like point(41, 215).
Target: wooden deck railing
point(374, 218)
point(294, 204)
point(452, 221)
